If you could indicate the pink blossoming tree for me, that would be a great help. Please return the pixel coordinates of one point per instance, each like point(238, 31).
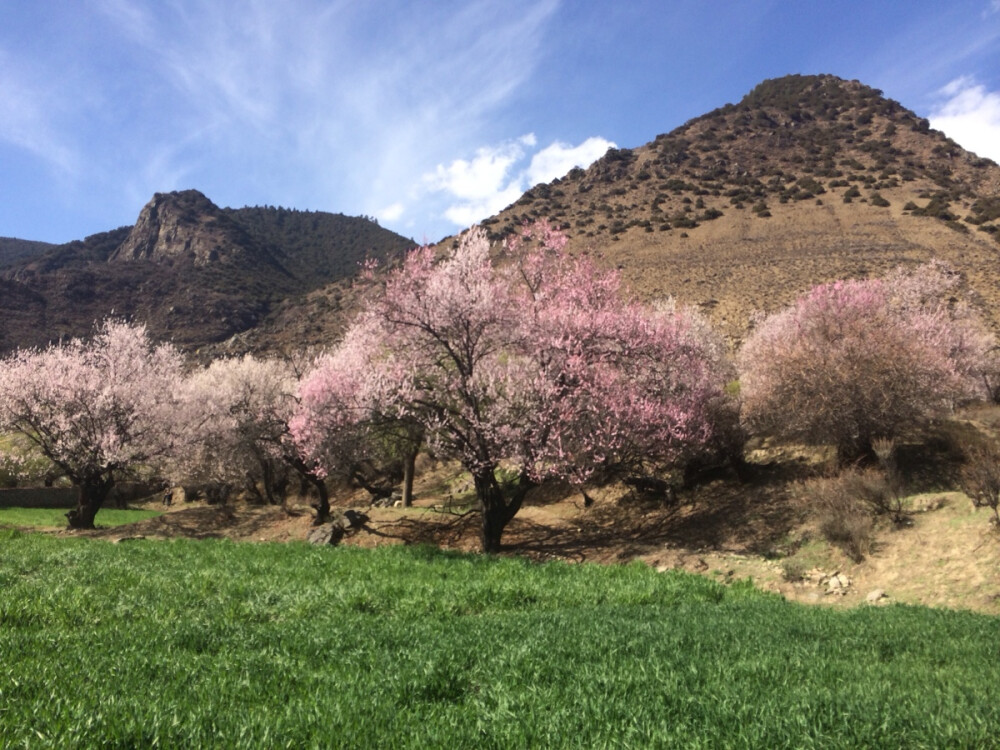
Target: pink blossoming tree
point(852, 361)
point(237, 412)
point(98, 409)
point(534, 365)
point(340, 424)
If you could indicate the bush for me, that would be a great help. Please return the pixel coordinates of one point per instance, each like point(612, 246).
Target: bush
point(886, 496)
point(844, 517)
point(980, 478)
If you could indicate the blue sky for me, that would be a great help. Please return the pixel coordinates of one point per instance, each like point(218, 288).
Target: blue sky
point(427, 114)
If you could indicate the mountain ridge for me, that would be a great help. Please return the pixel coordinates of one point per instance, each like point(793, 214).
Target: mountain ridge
point(195, 273)
point(806, 179)
point(13, 249)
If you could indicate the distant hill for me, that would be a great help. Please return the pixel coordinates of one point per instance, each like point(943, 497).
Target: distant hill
point(12, 249)
point(806, 179)
point(195, 273)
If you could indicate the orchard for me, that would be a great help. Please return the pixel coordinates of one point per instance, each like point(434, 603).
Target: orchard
point(522, 363)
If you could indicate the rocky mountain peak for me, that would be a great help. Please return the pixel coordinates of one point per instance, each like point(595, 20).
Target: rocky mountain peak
point(183, 226)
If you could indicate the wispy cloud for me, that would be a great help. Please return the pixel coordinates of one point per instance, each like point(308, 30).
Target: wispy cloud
point(357, 100)
point(970, 115)
point(497, 175)
point(27, 110)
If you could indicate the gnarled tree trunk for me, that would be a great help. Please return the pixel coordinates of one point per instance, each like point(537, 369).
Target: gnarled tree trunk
point(308, 476)
point(92, 493)
point(323, 503)
point(497, 505)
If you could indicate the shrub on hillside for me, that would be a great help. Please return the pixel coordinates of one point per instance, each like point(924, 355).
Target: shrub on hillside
point(981, 478)
point(845, 519)
point(886, 496)
point(854, 360)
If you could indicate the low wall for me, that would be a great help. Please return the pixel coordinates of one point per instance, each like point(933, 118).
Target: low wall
point(65, 497)
point(38, 497)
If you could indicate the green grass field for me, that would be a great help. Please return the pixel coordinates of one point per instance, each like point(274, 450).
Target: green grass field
point(47, 518)
point(218, 644)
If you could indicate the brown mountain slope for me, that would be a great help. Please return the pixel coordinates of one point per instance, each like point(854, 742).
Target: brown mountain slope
point(807, 179)
point(13, 249)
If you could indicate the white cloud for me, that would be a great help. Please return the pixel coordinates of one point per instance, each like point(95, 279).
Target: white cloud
point(391, 213)
point(484, 175)
point(339, 117)
point(559, 158)
point(970, 115)
point(497, 176)
point(468, 213)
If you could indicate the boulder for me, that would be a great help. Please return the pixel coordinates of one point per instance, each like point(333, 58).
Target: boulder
point(838, 583)
point(351, 520)
point(327, 533)
point(877, 596)
point(342, 522)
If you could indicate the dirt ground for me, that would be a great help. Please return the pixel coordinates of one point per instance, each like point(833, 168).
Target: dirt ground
point(949, 555)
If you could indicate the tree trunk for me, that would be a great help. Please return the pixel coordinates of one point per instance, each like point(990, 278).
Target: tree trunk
point(376, 491)
point(409, 462)
point(267, 474)
point(307, 477)
point(254, 489)
point(497, 507)
point(92, 493)
point(323, 504)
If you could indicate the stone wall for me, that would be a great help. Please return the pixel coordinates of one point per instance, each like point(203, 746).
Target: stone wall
point(38, 497)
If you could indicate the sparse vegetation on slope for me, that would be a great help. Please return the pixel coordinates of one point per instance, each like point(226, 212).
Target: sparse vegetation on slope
point(826, 162)
point(12, 249)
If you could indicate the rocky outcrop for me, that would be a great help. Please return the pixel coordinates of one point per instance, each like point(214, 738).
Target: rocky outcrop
point(342, 523)
point(186, 227)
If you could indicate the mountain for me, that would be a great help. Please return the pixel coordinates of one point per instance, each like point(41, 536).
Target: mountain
point(13, 249)
point(807, 179)
point(197, 274)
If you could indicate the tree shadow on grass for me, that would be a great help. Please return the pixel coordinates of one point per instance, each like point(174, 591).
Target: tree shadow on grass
point(752, 516)
point(721, 513)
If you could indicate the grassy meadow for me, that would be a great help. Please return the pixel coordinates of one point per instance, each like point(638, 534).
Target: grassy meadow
point(49, 518)
point(220, 644)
